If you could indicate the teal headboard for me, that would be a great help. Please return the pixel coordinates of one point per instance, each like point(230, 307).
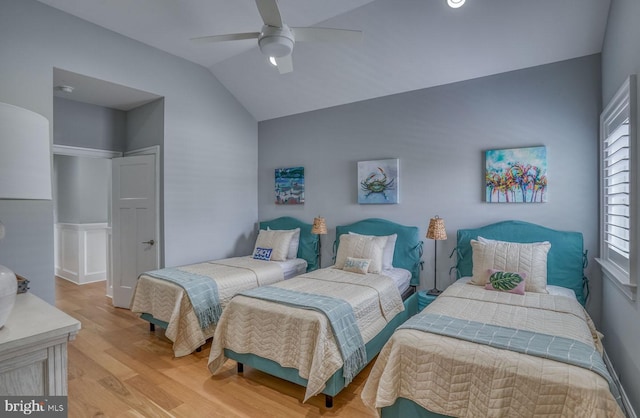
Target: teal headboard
point(308, 248)
point(565, 262)
point(408, 249)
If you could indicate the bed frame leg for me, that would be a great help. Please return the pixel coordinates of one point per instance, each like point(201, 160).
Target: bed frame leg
point(152, 327)
point(328, 401)
point(240, 367)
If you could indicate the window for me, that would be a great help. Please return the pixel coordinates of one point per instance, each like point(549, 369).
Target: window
point(619, 189)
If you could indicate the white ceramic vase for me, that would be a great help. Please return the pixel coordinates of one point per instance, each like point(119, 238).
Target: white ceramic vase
point(8, 291)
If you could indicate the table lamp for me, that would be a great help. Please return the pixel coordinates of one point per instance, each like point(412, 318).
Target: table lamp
point(319, 228)
point(436, 232)
point(25, 173)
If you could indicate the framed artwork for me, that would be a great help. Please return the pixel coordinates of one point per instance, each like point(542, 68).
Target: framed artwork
point(378, 181)
point(290, 186)
point(516, 175)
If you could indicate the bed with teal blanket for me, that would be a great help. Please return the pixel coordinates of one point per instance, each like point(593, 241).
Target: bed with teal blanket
point(187, 301)
point(477, 351)
point(306, 302)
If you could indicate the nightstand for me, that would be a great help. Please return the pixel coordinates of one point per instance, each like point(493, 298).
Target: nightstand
point(424, 300)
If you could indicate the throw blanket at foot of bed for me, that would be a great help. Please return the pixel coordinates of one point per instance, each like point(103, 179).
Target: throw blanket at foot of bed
point(170, 303)
point(340, 316)
point(454, 377)
point(551, 347)
point(303, 338)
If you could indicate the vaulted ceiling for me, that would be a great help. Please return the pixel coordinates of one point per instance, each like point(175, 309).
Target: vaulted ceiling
point(407, 44)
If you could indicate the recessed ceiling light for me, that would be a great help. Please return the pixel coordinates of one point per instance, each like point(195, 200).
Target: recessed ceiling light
point(455, 3)
point(65, 88)
point(273, 62)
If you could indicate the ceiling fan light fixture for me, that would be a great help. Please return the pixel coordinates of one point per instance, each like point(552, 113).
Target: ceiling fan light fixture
point(455, 3)
point(65, 89)
point(276, 42)
point(273, 62)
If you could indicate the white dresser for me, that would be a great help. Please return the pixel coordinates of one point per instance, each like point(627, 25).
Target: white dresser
point(33, 349)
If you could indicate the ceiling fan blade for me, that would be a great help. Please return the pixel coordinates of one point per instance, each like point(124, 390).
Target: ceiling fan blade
point(228, 37)
point(269, 12)
point(285, 64)
point(325, 34)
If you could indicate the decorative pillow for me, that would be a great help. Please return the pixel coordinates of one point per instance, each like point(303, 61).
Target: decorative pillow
point(357, 265)
point(389, 250)
point(361, 246)
point(294, 244)
point(505, 281)
point(277, 240)
point(511, 256)
point(262, 253)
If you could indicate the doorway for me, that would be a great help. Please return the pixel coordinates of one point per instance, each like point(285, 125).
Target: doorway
point(96, 123)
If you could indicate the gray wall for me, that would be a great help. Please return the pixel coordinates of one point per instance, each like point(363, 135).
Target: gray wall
point(145, 126)
point(210, 155)
point(621, 316)
point(81, 189)
point(88, 126)
point(440, 135)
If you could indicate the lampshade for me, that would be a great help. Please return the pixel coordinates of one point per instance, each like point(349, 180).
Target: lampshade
point(25, 154)
point(436, 229)
point(319, 226)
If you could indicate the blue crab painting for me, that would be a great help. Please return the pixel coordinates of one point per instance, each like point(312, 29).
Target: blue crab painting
point(378, 181)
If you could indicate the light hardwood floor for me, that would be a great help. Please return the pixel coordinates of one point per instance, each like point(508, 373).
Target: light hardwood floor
point(118, 368)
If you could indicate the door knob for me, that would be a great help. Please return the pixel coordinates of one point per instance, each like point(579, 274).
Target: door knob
point(150, 242)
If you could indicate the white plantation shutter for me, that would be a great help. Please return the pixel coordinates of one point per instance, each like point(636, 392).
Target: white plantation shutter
point(616, 179)
point(619, 174)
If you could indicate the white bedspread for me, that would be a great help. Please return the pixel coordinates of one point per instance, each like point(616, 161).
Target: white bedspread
point(169, 302)
point(301, 338)
point(459, 378)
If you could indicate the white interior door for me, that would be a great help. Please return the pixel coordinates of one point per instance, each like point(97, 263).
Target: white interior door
point(134, 215)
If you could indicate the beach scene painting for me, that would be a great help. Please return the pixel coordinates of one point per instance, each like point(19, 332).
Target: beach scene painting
point(290, 186)
point(378, 181)
point(516, 175)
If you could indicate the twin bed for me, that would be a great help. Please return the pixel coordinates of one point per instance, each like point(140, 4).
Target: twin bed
point(480, 352)
point(294, 341)
point(166, 304)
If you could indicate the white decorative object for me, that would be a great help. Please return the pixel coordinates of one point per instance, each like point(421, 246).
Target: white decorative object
point(25, 156)
point(8, 291)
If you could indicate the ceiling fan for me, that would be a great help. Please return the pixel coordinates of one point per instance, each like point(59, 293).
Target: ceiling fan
point(276, 39)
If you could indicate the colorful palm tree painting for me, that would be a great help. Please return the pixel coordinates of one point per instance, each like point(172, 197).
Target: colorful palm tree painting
point(290, 186)
point(516, 175)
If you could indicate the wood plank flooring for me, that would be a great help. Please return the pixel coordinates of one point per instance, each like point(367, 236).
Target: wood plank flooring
point(118, 368)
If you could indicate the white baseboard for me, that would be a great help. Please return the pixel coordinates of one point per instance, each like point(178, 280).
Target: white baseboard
point(631, 413)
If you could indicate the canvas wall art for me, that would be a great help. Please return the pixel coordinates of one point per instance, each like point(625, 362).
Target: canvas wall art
point(290, 186)
point(516, 175)
point(378, 181)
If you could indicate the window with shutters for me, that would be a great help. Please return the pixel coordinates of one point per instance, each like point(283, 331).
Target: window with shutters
point(618, 189)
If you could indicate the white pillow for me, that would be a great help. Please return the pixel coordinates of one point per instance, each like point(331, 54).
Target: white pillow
point(389, 250)
point(294, 244)
point(530, 258)
point(277, 240)
point(361, 246)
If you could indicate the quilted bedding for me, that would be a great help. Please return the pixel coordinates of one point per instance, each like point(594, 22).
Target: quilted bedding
point(459, 378)
point(300, 338)
point(170, 303)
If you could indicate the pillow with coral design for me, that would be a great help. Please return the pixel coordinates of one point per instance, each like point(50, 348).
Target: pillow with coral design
point(506, 281)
